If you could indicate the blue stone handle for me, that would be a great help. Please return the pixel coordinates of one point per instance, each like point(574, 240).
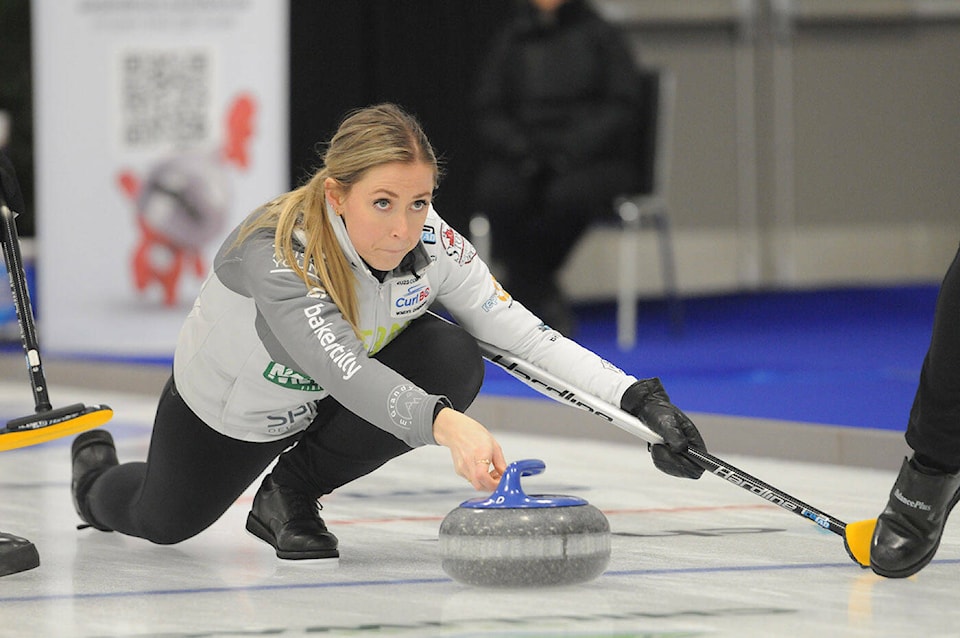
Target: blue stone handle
point(510, 495)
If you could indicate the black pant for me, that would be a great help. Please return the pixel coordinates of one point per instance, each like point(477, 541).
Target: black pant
point(193, 473)
point(537, 218)
point(934, 426)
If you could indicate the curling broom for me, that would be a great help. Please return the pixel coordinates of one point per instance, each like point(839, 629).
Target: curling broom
point(47, 423)
point(856, 536)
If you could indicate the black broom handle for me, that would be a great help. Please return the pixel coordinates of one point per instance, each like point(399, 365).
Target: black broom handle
point(21, 303)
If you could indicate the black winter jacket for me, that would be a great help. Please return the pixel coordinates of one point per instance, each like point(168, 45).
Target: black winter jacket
point(560, 87)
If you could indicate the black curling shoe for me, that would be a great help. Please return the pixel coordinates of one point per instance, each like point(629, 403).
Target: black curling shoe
point(17, 554)
point(909, 529)
point(291, 523)
point(93, 452)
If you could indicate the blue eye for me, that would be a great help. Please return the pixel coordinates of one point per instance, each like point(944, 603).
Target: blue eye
point(382, 204)
point(420, 204)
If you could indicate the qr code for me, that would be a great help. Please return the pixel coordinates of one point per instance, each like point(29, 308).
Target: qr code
point(165, 98)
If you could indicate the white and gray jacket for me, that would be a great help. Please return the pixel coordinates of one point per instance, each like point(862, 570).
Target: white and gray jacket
point(258, 350)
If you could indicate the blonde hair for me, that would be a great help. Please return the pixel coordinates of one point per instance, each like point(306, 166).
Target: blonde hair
point(366, 138)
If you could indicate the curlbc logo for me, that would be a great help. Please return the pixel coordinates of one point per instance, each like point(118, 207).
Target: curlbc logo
point(408, 299)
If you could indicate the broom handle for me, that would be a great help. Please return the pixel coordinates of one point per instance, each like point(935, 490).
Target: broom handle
point(21, 303)
point(559, 390)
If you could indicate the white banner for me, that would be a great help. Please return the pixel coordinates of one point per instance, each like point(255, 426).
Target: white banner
point(159, 125)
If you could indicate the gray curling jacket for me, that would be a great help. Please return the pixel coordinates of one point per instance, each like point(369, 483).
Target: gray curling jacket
point(258, 350)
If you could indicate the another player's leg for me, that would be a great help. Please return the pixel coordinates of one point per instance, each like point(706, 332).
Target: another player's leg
point(908, 531)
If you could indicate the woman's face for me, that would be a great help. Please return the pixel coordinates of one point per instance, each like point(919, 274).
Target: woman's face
point(385, 210)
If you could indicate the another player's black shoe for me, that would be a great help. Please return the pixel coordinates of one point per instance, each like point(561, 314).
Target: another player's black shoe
point(17, 554)
point(291, 523)
point(93, 452)
point(909, 529)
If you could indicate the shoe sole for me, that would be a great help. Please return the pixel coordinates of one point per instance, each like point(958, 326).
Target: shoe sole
point(93, 437)
point(19, 558)
point(261, 531)
point(913, 569)
point(82, 442)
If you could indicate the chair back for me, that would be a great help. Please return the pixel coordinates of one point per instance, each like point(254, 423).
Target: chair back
point(654, 141)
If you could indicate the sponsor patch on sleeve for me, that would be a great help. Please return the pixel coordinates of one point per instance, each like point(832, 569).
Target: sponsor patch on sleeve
point(429, 235)
point(456, 247)
point(499, 296)
point(402, 404)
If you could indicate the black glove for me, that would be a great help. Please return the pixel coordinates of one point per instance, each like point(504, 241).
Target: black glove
point(647, 400)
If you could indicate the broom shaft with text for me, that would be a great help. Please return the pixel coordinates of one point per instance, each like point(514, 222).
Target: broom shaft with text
point(555, 388)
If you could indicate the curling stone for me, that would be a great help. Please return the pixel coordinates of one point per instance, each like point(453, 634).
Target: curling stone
point(510, 539)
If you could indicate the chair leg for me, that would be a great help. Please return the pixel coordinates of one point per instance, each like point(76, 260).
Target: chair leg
point(626, 284)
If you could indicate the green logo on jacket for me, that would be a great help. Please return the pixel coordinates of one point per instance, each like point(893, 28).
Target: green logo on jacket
point(289, 378)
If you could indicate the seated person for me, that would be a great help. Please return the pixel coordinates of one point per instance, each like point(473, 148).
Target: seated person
point(556, 108)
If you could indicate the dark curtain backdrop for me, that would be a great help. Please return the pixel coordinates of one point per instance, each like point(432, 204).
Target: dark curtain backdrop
point(16, 100)
point(421, 54)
